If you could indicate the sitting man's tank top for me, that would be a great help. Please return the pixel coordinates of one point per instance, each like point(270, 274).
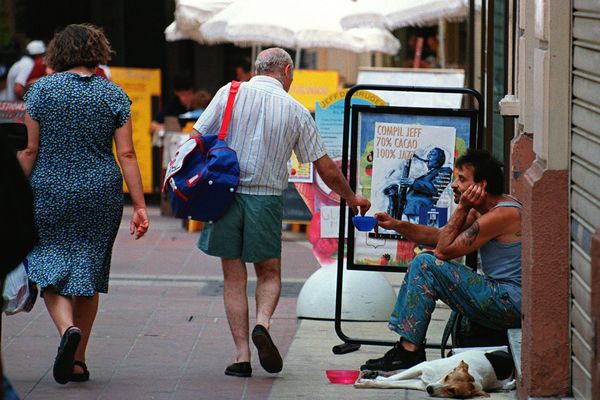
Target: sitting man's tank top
point(502, 261)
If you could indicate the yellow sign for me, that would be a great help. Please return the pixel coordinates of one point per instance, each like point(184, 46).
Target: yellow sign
point(299, 172)
point(310, 86)
point(140, 84)
point(361, 94)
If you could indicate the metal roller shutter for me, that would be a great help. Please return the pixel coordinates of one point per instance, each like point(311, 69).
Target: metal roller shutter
point(585, 186)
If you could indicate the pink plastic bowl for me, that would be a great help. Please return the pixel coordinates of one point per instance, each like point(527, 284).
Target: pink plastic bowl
point(342, 376)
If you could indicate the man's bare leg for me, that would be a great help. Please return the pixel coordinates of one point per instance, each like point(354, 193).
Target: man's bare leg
point(236, 306)
point(268, 289)
point(408, 345)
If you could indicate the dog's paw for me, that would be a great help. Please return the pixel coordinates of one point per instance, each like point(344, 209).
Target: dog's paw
point(367, 374)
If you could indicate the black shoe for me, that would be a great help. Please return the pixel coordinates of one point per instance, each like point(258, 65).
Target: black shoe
point(82, 377)
point(241, 369)
point(63, 364)
point(395, 359)
point(268, 354)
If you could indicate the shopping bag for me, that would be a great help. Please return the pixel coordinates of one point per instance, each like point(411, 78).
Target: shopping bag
point(204, 174)
point(19, 293)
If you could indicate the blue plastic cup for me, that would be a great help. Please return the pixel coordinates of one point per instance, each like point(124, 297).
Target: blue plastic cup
point(364, 223)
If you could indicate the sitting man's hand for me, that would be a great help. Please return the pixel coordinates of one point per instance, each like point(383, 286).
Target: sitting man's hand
point(358, 202)
point(474, 196)
point(385, 221)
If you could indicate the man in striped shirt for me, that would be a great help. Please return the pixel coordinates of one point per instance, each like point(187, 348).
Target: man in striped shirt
point(266, 125)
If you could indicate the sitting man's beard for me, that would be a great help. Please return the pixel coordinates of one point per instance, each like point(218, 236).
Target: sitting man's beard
point(456, 195)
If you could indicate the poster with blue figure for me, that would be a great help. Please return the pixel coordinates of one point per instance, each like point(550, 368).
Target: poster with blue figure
point(412, 169)
point(405, 165)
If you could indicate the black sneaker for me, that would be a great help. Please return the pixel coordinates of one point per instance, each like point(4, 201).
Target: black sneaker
point(395, 359)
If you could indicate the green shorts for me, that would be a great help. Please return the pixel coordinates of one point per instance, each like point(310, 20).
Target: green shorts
point(250, 230)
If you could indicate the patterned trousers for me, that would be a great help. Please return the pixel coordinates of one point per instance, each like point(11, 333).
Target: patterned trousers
point(428, 279)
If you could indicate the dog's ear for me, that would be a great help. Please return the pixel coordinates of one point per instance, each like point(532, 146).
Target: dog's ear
point(463, 365)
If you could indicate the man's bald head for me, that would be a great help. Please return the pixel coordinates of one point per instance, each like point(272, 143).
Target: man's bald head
point(272, 60)
point(277, 63)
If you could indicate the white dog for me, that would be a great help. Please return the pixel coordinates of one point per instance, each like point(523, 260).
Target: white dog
point(466, 374)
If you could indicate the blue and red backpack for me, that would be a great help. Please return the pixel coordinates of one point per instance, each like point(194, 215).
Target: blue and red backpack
point(204, 175)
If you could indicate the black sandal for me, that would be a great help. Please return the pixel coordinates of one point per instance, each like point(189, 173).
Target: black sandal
point(268, 355)
point(85, 376)
point(63, 364)
point(241, 369)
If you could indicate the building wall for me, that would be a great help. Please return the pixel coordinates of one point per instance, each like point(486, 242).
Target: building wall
point(559, 126)
point(135, 29)
point(346, 63)
point(543, 89)
point(585, 199)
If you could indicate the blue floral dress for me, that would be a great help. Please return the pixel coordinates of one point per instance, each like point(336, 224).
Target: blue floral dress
point(77, 184)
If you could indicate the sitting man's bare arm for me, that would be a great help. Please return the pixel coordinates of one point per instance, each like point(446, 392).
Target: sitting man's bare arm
point(456, 241)
point(420, 234)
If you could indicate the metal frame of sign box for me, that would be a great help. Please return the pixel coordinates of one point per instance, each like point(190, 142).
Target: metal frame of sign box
point(351, 343)
point(470, 114)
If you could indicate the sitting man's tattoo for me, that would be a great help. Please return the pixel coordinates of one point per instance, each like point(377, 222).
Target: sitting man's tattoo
point(470, 235)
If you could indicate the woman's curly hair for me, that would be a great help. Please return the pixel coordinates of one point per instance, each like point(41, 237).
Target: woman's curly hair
point(78, 45)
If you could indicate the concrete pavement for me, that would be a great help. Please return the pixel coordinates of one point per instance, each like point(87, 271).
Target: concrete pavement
point(161, 332)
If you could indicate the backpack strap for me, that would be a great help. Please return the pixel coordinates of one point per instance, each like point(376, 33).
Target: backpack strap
point(235, 85)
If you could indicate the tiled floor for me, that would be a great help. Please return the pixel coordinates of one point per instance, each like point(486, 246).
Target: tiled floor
point(161, 332)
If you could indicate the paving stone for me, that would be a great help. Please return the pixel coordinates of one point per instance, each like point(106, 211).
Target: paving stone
point(162, 333)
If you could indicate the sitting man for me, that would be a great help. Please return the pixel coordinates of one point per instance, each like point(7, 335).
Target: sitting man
point(486, 220)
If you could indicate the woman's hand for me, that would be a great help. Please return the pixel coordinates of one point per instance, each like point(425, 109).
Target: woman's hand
point(139, 222)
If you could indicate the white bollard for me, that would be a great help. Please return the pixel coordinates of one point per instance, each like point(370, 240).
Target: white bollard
point(366, 295)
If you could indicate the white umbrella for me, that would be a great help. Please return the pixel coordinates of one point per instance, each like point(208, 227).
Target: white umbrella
point(376, 39)
point(400, 13)
point(190, 14)
point(172, 34)
point(293, 24)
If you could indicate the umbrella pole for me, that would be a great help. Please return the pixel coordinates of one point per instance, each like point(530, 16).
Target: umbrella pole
point(297, 61)
point(442, 44)
point(253, 53)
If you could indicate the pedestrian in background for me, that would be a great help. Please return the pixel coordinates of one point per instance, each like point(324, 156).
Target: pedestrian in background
point(72, 117)
point(179, 103)
point(200, 101)
point(266, 125)
point(24, 72)
point(243, 70)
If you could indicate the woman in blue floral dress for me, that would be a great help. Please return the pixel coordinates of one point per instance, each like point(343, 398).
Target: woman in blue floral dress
point(73, 117)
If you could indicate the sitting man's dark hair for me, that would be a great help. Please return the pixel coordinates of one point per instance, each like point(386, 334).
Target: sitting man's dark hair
point(485, 167)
